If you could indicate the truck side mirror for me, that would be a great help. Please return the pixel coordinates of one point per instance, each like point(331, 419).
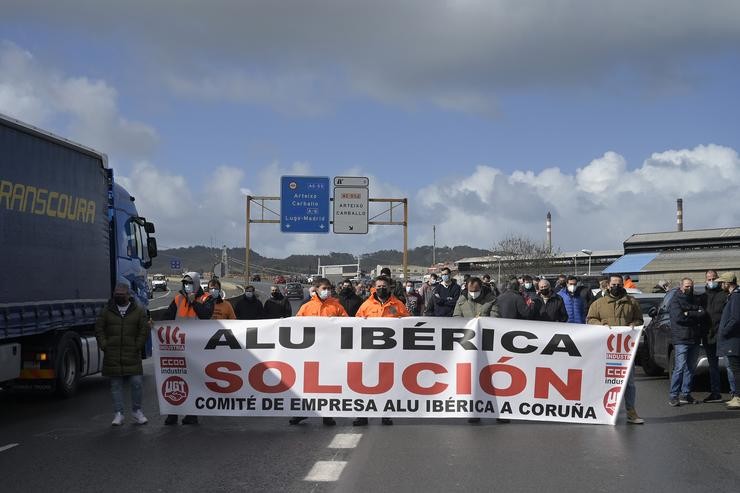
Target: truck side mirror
point(151, 247)
point(149, 228)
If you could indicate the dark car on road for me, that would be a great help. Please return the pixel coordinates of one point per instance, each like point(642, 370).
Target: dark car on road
point(294, 290)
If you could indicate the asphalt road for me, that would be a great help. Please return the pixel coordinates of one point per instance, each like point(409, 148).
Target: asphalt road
point(69, 445)
point(162, 299)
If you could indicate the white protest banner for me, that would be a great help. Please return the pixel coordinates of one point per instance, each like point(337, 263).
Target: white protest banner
point(407, 367)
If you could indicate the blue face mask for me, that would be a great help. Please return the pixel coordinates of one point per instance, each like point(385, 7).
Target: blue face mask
point(188, 288)
point(712, 284)
point(216, 293)
point(445, 278)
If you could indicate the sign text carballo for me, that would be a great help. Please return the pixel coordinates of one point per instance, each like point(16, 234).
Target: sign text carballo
point(409, 367)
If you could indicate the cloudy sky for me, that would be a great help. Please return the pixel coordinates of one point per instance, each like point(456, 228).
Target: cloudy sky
point(485, 114)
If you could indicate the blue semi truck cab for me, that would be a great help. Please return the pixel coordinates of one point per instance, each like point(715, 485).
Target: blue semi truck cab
point(68, 234)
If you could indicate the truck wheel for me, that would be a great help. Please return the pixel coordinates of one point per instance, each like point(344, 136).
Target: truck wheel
point(67, 365)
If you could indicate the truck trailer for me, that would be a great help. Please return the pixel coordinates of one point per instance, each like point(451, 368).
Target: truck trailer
point(68, 234)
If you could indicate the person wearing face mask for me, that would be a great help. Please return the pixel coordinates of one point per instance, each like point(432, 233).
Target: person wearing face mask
point(121, 331)
point(349, 298)
point(728, 333)
point(222, 309)
point(189, 303)
point(249, 306)
point(687, 328)
point(321, 304)
point(619, 309)
point(277, 305)
point(548, 306)
point(414, 301)
point(476, 302)
point(381, 303)
point(713, 300)
point(446, 295)
point(528, 289)
point(560, 283)
point(428, 294)
point(574, 301)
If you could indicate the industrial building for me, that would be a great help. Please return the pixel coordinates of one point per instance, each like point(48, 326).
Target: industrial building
point(650, 257)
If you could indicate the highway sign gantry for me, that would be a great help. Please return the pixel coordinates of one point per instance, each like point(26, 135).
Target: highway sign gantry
point(304, 204)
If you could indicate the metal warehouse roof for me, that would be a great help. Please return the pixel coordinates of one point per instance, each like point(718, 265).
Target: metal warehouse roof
point(677, 261)
point(715, 258)
point(698, 238)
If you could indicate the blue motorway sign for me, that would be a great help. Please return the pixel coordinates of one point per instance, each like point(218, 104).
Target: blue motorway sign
point(304, 204)
point(175, 265)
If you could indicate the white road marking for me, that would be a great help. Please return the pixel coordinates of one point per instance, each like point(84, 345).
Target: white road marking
point(325, 470)
point(345, 440)
point(164, 295)
point(10, 446)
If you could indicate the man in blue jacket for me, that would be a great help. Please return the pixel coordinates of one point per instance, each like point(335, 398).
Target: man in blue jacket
point(446, 294)
point(687, 324)
point(574, 300)
point(728, 334)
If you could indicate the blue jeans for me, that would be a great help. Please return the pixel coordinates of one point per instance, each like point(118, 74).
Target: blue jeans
point(116, 390)
point(683, 371)
point(714, 377)
point(630, 392)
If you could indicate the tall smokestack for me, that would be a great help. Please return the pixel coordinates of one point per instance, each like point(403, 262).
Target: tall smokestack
point(549, 232)
point(679, 214)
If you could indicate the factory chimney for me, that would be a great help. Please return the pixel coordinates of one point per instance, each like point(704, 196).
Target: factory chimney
point(679, 214)
point(549, 232)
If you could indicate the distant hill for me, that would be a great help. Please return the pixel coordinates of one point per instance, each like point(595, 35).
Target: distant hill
point(202, 259)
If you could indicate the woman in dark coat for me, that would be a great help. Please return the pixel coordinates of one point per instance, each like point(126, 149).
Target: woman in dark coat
point(121, 331)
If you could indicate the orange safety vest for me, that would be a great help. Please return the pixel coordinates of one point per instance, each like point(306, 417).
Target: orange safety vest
point(392, 308)
point(185, 309)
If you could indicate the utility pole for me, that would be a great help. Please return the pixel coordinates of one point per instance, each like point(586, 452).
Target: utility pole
point(434, 245)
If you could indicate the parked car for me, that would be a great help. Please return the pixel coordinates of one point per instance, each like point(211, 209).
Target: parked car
point(658, 356)
point(159, 282)
point(294, 290)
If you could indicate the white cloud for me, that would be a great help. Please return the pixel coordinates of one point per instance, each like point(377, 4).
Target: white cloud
point(42, 96)
point(598, 206)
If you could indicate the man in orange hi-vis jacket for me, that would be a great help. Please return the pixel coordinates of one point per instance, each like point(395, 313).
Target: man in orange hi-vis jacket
point(381, 303)
point(321, 304)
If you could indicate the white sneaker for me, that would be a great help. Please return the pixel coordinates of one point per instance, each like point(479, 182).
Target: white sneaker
point(139, 417)
point(733, 403)
point(117, 419)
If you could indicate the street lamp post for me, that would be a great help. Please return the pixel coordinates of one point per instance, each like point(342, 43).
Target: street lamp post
point(589, 253)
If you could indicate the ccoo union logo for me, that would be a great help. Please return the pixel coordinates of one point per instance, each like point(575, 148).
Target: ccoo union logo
point(175, 390)
point(611, 398)
point(171, 339)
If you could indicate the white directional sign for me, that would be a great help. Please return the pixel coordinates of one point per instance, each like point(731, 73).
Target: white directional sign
point(350, 209)
point(351, 181)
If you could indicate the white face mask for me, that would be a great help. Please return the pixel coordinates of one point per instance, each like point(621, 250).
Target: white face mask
point(474, 294)
point(249, 294)
point(409, 289)
point(445, 278)
point(216, 293)
point(324, 294)
point(572, 288)
point(527, 285)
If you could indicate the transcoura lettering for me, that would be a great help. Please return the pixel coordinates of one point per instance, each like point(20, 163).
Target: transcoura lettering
point(34, 200)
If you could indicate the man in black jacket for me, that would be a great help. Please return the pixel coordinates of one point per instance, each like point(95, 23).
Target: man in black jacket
point(348, 298)
point(728, 333)
point(446, 294)
point(249, 307)
point(511, 303)
point(713, 301)
point(277, 305)
point(687, 318)
point(548, 306)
